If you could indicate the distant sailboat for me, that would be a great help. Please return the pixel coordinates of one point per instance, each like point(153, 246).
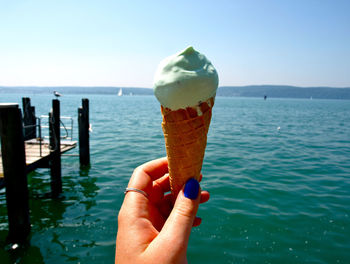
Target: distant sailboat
point(120, 93)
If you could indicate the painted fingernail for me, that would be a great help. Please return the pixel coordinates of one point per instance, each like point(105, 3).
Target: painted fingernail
point(191, 189)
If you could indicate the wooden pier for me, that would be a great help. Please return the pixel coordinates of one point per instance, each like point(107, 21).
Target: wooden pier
point(22, 152)
point(39, 158)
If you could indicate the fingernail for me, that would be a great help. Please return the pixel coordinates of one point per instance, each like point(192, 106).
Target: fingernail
point(191, 189)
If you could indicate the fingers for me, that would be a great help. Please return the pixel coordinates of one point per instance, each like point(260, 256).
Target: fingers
point(144, 175)
point(159, 188)
point(153, 171)
point(204, 197)
point(177, 228)
point(166, 205)
point(163, 183)
point(156, 168)
point(197, 221)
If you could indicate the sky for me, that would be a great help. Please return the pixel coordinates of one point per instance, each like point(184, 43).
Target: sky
point(121, 42)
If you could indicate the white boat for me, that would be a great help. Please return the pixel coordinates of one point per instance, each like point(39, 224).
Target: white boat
point(120, 93)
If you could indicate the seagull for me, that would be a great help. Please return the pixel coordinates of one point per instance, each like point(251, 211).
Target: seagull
point(57, 94)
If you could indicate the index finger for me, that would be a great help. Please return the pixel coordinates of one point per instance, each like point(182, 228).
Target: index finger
point(156, 168)
point(145, 174)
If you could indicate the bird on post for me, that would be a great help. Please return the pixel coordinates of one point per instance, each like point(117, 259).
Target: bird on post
point(57, 94)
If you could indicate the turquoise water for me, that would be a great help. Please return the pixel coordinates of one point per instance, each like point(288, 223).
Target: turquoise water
point(277, 195)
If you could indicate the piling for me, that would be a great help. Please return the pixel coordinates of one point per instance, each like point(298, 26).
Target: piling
point(14, 166)
point(55, 146)
point(83, 123)
point(29, 119)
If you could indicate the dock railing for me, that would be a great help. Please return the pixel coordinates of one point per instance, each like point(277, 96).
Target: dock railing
point(38, 128)
point(67, 135)
point(68, 129)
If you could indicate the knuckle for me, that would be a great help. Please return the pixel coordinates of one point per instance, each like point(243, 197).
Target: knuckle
point(137, 170)
point(187, 210)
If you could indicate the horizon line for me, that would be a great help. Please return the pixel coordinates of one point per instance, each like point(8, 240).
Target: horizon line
point(138, 87)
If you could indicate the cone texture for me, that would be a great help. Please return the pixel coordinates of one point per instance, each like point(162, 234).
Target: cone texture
point(185, 133)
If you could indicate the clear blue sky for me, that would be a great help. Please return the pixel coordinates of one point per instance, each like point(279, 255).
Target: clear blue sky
point(120, 42)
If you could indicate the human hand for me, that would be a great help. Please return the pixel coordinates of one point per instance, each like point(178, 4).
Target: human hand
point(151, 229)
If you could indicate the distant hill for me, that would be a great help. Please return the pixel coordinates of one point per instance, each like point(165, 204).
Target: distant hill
point(76, 90)
point(271, 91)
point(284, 91)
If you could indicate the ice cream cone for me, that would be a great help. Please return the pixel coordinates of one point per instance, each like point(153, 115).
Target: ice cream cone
point(185, 84)
point(185, 133)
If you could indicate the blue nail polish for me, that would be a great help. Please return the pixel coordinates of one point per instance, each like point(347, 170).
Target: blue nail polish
point(191, 189)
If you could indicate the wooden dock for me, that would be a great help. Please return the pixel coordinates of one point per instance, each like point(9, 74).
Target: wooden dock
point(22, 153)
point(36, 158)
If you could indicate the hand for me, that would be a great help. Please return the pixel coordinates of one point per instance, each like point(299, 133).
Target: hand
point(152, 230)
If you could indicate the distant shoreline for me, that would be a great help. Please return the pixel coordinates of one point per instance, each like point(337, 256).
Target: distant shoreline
point(271, 91)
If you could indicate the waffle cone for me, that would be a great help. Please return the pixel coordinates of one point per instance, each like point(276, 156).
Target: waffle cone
point(185, 133)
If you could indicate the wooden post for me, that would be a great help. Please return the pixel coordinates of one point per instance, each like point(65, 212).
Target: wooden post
point(29, 119)
point(55, 146)
point(83, 123)
point(14, 166)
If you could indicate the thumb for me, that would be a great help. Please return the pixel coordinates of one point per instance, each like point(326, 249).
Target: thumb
point(185, 208)
point(177, 229)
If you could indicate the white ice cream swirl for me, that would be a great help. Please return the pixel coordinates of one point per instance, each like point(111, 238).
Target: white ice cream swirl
point(185, 79)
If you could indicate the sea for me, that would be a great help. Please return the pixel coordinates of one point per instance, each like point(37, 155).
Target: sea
point(278, 172)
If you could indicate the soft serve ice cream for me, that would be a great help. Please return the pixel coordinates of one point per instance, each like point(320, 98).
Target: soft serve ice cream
point(185, 84)
point(185, 79)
